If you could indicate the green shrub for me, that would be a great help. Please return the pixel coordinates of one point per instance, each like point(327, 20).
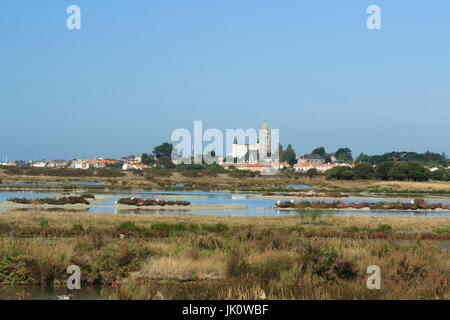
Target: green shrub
point(78, 227)
point(86, 244)
point(442, 230)
point(297, 229)
point(351, 229)
point(128, 226)
point(20, 200)
point(175, 228)
point(217, 228)
point(344, 269)
point(384, 228)
point(237, 265)
point(43, 223)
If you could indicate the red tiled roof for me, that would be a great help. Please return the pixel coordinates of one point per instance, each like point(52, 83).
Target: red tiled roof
point(302, 165)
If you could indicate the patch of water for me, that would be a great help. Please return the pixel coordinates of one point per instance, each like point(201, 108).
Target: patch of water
point(255, 207)
point(81, 183)
point(51, 293)
point(298, 186)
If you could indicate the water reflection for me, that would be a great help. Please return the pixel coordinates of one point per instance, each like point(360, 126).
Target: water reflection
point(51, 293)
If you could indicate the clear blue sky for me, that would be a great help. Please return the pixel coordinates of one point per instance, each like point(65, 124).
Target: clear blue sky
point(137, 70)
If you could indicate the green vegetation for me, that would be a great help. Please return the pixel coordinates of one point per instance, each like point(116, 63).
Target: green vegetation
point(287, 155)
point(54, 201)
point(395, 171)
point(150, 202)
point(418, 204)
point(340, 173)
point(62, 172)
point(344, 155)
point(208, 257)
point(313, 172)
point(442, 230)
point(427, 158)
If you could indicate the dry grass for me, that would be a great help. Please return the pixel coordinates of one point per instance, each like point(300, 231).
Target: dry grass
point(254, 258)
point(130, 179)
point(325, 222)
point(396, 185)
point(182, 269)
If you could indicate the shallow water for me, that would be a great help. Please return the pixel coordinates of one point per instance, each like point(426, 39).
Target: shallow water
point(298, 186)
point(255, 207)
point(81, 183)
point(51, 293)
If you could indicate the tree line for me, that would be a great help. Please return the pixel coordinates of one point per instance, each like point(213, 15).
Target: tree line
point(389, 170)
point(427, 158)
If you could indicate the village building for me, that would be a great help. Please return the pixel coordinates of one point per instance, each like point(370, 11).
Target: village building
point(311, 159)
point(253, 153)
point(80, 164)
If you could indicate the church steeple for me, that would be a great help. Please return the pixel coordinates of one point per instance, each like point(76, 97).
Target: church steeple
point(264, 143)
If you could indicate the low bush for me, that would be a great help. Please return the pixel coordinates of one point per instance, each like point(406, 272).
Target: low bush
point(418, 204)
point(128, 226)
point(150, 202)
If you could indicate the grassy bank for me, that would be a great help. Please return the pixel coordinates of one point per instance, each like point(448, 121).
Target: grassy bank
point(155, 179)
point(215, 257)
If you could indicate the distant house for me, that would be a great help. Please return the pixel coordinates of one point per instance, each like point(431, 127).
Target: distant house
point(137, 158)
point(302, 166)
point(283, 165)
point(311, 159)
point(127, 166)
point(333, 157)
point(319, 167)
point(134, 165)
point(59, 163)
point(20, 163)
point(40, 164)
point(80, 164)
point(140, 166)
point(257, 167)
point(100, 163)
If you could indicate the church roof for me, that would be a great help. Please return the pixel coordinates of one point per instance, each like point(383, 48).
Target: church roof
point(264, 126)
point(312, 156)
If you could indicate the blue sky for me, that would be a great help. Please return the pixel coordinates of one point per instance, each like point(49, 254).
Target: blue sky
point(137, 70)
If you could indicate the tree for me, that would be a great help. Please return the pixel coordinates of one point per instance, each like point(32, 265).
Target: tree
point(364, 170)
point(288, 155)
point(363, 158)
point(399, 171)
point(165, 149)
point(438, 174)
point(165, 162)
point(417, 172)
point(340, 173)
point(148, 159)
point(428, 158)
point(344, 155)
point(319, 151)
point(281, 153)
point(381, 170)
point(312, 173)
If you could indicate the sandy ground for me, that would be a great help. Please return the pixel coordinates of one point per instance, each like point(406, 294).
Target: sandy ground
point(12, 205)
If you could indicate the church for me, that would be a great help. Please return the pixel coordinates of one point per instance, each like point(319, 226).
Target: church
point(254, 153)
